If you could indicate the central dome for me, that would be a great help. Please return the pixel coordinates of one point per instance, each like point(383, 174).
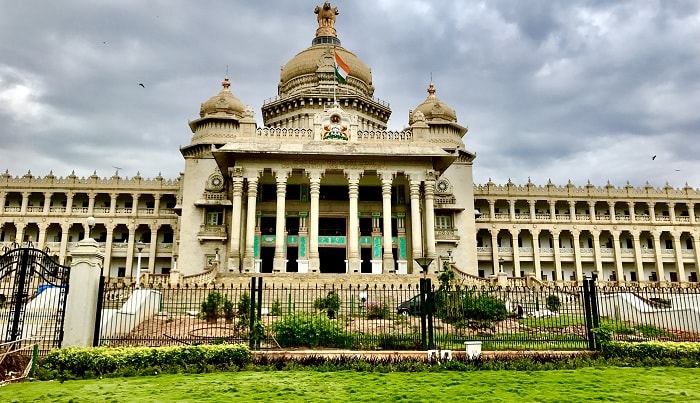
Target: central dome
point(323, 74)
point(315, 66)
point(319, 58)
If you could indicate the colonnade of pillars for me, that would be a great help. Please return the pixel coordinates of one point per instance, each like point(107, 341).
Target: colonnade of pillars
point(310, 262)
point(497, 255)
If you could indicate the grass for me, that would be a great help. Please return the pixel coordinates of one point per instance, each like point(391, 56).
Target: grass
point(658, 384)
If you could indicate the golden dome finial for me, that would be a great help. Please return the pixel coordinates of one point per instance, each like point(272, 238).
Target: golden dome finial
point(431, 90)
point(226, 83)
point(326, 19)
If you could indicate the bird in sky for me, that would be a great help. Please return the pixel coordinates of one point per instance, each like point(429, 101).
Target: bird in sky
point(653, 158)
point(141, 84)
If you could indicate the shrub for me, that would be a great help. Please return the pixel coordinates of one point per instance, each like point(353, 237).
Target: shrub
point(276, 308)
point(464, 307)
point(376, 310)
point(310, 330)
point(211, 307)
point(98, 361)
point(553, 303)
point(329, 303)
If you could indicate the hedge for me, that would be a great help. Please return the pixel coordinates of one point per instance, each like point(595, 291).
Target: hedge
point(123, 361)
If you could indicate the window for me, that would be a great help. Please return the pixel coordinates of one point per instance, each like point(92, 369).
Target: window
point(215, 217)
point(121, 272)
point(443, 222)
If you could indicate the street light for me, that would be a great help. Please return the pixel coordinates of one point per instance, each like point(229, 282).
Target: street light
point(139, 247)
point(500, 264)
point(91, 223)
point(424, 263)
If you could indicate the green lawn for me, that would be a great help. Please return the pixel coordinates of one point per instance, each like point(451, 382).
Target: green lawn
point(658, 384)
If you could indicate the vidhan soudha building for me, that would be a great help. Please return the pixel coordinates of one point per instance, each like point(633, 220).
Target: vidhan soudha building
point(324, 187)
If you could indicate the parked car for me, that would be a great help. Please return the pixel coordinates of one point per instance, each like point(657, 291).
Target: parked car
point(409, 307)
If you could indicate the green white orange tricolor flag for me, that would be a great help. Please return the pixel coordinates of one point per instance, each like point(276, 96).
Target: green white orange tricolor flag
point(341, 69)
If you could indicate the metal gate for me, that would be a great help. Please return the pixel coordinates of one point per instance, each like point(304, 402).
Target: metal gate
point(33, 289)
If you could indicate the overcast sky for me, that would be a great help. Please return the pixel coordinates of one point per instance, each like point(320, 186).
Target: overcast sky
point(561, 90)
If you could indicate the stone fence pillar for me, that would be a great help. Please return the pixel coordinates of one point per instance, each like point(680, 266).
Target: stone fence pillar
point(83, 287)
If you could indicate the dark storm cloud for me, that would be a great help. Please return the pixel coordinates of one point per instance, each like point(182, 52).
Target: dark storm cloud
point(580, 90)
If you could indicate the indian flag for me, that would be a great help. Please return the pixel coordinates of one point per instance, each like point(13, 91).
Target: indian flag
point(341, 69)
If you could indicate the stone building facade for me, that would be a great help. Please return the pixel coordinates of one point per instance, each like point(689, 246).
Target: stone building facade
point(324, 187)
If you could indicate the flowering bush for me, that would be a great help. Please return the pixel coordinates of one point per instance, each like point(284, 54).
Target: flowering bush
point(376, 310)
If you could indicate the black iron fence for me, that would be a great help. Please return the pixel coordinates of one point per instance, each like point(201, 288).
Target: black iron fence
point(413, 317)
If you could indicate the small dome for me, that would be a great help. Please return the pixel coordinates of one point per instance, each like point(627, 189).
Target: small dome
point(434, 110)
point(223, 103)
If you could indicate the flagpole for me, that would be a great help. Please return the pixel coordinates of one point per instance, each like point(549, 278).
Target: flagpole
point(335, 79)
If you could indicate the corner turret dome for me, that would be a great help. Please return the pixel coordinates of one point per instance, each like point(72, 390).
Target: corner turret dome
point(223, 103)
point(433, 109)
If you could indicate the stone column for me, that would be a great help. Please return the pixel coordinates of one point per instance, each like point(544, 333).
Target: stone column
point(536, 253)
point(2, 202)
point(354, 222)
point(42, 235)
point(279, 263)
point(135, 204)
point(91, 204)
point(109, 240)
point(234, 261)
point(69, 203)
point(578, 265)
point(113, 203)
point(430, 219)
point(572, 210)
point(314, 194)
point(492, 211)
point(416, 224)
point(495, 252)
point(65, 227)
point(557, 256)
point(249, 253)
point(552, 210)
point(47, 201)
point(25, 202)
point(130, 252)
point(79, 322)
point(156, 204)
point(533, 211)
point(611, 208)
point(630, 206)
point(672, 212)
point(516, 253)
point(639, 263)
point(591, 211)
point(387, 256)
point(619, 270)
point(153, 248)
point(679, 257)
point(659, 257)
point(598, 264)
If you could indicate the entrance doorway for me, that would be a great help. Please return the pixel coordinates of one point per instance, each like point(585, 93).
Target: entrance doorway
point(366, 256)
point(267, 255)
point(292, 253)
point(332, 260)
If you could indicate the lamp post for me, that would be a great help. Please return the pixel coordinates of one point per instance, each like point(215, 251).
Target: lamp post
point(91, 223)
point(139, 247)
point(500, 264)
point(424, 263)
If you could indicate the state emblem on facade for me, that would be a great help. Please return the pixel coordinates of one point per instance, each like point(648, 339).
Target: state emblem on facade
point(335, 124)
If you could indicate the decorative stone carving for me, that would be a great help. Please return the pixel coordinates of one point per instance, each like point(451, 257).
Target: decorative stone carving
point(326, 19)
point(215, 182)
